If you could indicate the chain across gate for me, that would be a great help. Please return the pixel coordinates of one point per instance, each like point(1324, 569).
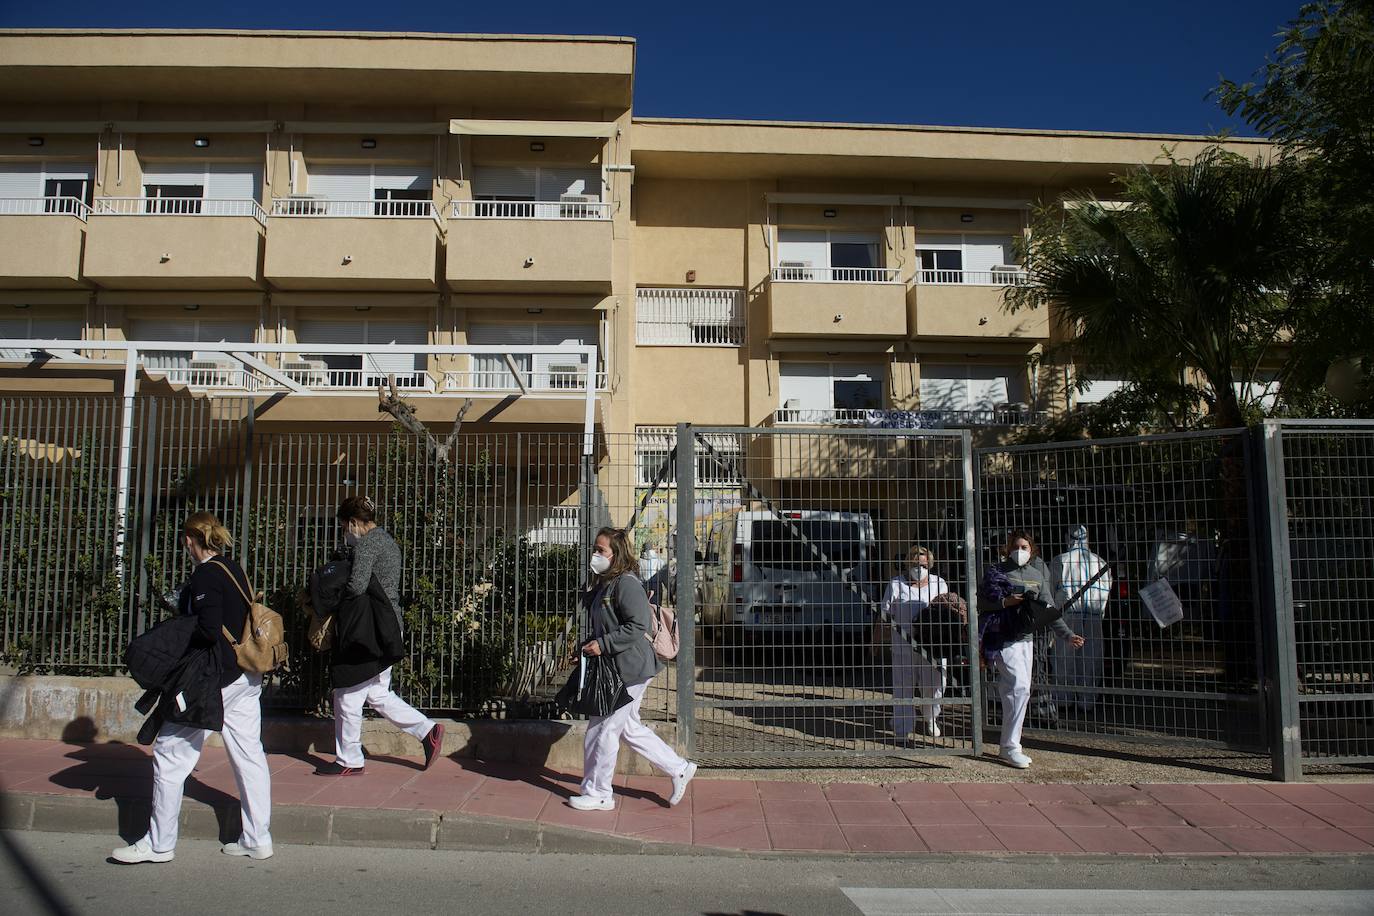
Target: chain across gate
point(795, 536)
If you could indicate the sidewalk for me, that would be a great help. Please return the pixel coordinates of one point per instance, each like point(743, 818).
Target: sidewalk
point(465, 805)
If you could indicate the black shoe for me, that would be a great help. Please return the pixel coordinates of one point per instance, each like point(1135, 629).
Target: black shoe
point(334, 768)
point(433, 743)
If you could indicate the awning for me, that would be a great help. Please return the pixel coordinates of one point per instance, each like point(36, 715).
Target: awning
point(490, 128)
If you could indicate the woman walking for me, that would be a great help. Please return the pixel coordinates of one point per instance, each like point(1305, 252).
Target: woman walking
point(216, 595)
point(359, 670)
point(1007, 584)
point(907, 596)
point(618, 609)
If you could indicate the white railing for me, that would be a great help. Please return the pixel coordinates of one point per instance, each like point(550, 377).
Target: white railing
point(178, 206)
point(355, 209)
point(786, 274)
point(228, 376)
point(938, 418)
point(530, 209)
point(689, 317)
point(320, 377)
point(561, 526)
point(543, 380)
point(39, 206)
point(972, 277)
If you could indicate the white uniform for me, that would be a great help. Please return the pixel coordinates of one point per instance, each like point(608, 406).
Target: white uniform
point(1080, 669)
point(602, 743)
point(905, 601)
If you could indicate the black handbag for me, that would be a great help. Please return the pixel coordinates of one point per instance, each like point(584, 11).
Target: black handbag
point(594, 688)
point(1030, 615)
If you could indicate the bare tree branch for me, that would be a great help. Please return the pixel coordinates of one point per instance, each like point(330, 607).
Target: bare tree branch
point(404, 414)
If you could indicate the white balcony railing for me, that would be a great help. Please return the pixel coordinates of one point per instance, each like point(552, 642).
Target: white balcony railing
point(699, 317)
point(972, 277)
point(178, 206)
point(937, 418)
point(354, 209)
point(790, 274)
point(530, 209)
point(38, 206)
point(544, 380)
point(316, 375)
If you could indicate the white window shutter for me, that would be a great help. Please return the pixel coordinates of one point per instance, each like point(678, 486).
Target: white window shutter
point(989, 386)
point(983, 253)
point(173, 173)
point(21, 179)
point(402, 177)
point(936, 240)
point(313, 331)
point(944, 387)
point(555, 183)
point(232, 181)
point(504, 183)
point(396, 332)
point(339, 182)
point(807, 384)
point(66, 171)
point(803, 247)
point(57, 328)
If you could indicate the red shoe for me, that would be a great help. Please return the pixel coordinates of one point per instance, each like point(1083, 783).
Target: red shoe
point(433, 743)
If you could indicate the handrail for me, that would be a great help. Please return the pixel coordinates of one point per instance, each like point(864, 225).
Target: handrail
point(42, 206)
point(530, 209)
point(354, 209)
point(790, 274)
point(179, 206)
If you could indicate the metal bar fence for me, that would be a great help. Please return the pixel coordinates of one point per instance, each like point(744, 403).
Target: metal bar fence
point(1174, 508)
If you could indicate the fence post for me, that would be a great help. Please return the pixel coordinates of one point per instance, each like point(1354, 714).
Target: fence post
point(586, 486)
point(686, 587)
point(1268, 495)
point(249, 455)
point(143, 598)
point(975, 667)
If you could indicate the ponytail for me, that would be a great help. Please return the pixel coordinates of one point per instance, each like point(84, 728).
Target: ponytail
point(206, 530)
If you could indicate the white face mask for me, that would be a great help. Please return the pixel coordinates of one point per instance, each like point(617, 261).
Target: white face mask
point(600, 563)
point(350, 537)
point(1020, 557)
point(918, 573)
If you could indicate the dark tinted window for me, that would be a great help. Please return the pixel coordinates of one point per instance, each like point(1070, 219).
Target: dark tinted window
point(775, 545)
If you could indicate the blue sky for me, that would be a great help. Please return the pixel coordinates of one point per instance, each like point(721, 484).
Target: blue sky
point(1104, 65)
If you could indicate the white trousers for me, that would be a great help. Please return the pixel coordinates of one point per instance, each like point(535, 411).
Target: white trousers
point(1013, 665)
point(178, 747)
point(602, 744)
point(909, 672)
point(348, 716)
point(1081, 668)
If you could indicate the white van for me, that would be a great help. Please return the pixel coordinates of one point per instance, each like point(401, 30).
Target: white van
point(760, 577)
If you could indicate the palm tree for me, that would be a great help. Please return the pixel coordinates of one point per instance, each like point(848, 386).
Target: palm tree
point(1199, 265)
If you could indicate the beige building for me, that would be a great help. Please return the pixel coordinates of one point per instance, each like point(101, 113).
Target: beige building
point(368, 190)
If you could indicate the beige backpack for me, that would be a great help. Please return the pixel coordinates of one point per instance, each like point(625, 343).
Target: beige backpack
point(262, 647)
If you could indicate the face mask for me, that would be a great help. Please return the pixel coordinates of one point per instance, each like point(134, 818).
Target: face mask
point(918, 573)
point(1020, 557)
point(350, 537)
point(600, 563)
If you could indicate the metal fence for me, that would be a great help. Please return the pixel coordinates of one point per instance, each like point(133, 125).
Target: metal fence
point(1171, 508)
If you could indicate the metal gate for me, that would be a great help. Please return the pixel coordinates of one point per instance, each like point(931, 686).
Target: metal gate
point(1171, 507)
point(801, 653)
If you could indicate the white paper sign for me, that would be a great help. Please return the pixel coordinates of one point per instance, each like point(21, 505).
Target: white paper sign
point(1162, 603)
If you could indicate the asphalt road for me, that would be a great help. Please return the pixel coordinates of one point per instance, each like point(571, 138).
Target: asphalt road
point(380, 882)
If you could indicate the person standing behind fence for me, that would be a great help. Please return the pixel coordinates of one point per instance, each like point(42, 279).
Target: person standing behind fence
point(1013, 660)
point(907, 596)
point(1069, 572)
point(213, 596)
point(618, 609)
point(368, 680)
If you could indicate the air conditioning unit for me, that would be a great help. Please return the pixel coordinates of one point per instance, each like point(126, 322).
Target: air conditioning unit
point(305, 204)
point(566, 376)
point(577, 206)
point(794, 270)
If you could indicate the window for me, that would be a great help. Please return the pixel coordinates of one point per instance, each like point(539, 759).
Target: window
point(396, 190)
point(59, 194)
point(1099, 390)
point(52, 187)
point(653, 445)
point(173, 198)
point(823, 254)
point(182, 188)
point(541, 192)
point(193, 330)
point(542, 371)
point(970, 388)
point(398, 201)
point(772, 543)
point(689, 316)
point(36, 329)
point(828, 392)
point(351, 370)
point(986, 260)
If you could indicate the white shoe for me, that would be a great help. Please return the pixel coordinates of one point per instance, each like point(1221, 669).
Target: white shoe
point(142, 851)
point(1014, 758)
point(680, 783)
point(253, 852)
point(592, 803)
point(932, 729)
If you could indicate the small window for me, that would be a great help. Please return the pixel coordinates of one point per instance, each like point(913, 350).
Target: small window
point(941, 265)
point(174, 198)
point(59, 194)
point(399, 201)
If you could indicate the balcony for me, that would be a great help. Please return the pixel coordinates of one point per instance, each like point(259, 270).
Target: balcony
point(530, 246)
point(224, 373)
point(175, 242)
point(967, 304)
point(999, 415)
point(836, 302)
point(318, 243)
point(41, 241)
point(555, 380)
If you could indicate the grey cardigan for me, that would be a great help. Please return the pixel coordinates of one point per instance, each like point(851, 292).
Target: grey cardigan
point(623, 618)
point(1035, 577)
point(377, 553)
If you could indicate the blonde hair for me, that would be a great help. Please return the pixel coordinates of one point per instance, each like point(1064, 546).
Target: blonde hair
point(623, 557)
point(206, 530)
point(918, 551)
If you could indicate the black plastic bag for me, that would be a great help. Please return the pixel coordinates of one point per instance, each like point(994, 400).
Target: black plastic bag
point(594, 688)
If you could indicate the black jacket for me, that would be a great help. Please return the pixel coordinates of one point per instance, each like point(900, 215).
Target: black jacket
point(212, 599)
point(367, 631)
point(182, 680)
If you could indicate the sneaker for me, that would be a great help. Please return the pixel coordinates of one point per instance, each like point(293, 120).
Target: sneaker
point(680, 783)
point(253, 852)
point(433, 743)
point(1013, 757)
point(142, 851)
point(334, 768)
point(592, 803)
point(933, 729)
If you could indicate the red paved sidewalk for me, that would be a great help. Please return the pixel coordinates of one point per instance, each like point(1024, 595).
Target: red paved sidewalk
point(910, 817)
